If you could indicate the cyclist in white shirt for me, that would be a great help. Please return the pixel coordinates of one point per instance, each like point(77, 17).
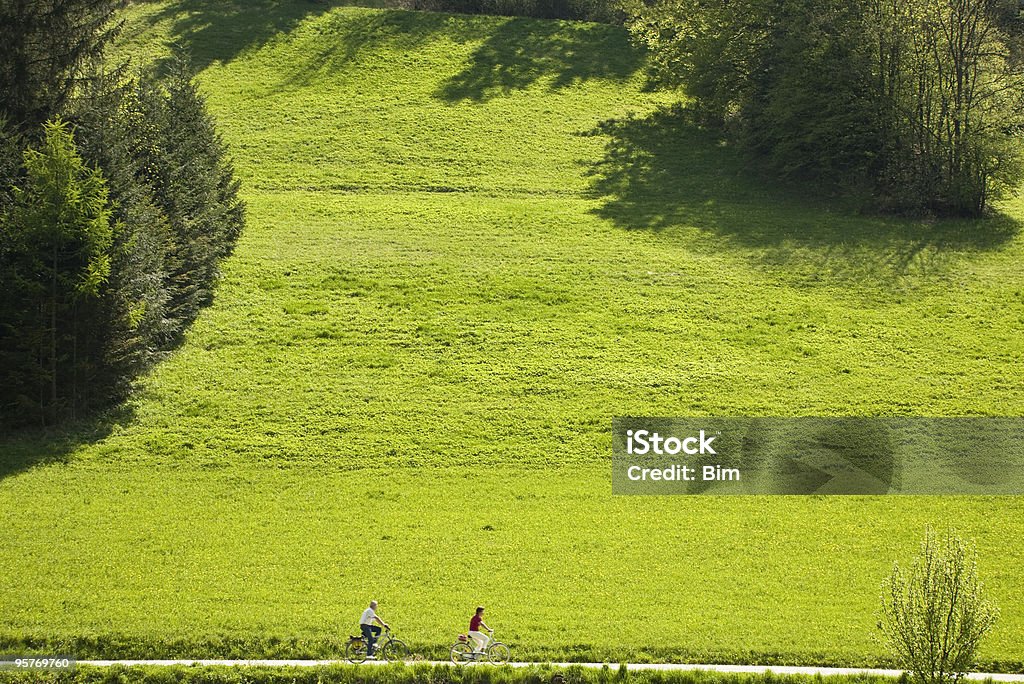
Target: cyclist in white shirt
point(371, 631)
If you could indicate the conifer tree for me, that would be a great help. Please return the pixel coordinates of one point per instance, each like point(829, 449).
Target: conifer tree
point(194, 184)
point(57, 239)
point(47, 47)
point(133, 315)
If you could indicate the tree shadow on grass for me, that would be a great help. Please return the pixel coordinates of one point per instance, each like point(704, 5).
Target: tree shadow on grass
point(220, 31)
point(664, 171)
point(513, 53)
point(27, 448)
point(345, 38)
point(522, 51)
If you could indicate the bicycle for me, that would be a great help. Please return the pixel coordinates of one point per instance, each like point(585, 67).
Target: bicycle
point(388, 648)
point(463, 652)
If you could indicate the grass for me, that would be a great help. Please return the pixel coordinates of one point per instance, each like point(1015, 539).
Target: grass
point(472, 242)
point(415, 674)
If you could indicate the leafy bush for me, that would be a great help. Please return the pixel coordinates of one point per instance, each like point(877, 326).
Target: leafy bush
point(934, 616)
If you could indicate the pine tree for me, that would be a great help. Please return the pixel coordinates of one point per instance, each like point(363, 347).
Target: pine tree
point(56, 246)
point(46, 48)
point(194, 184)
point(102, 273)
point(135, 330)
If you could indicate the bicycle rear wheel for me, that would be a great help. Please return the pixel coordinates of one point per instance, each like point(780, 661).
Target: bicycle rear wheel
point(355, 651)
point(396, 650)
point(461, 653)
point(498, 653)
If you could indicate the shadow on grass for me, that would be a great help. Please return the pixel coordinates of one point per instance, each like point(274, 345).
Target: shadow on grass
point(27, 448)
point(664, 171)
point(513, 52)
point(522, 51)
point(219, 31)
point(345, 38)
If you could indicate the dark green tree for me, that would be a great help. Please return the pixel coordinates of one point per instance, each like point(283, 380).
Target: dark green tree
point(110, 118)
point(10, 161)
point(47, 47)
point(187, 166)
point(804, 115)
point(56, 248)
point(102, 274)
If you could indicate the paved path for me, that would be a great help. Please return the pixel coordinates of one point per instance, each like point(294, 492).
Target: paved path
point(778, 669)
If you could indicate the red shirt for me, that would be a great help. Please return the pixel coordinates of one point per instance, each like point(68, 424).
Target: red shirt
point(474, 623)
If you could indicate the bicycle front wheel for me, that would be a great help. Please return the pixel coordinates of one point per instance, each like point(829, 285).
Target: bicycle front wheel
point(461, 653)
point(355, 651)
point(498, 653)
point(396, 650)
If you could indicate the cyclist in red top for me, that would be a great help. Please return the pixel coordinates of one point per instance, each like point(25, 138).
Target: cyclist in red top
point(475, 623)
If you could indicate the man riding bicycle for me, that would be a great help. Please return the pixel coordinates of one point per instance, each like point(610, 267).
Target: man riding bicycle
point(475, 623)
point(370, 630)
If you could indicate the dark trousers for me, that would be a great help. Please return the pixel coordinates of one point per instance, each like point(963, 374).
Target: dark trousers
point(370, 633)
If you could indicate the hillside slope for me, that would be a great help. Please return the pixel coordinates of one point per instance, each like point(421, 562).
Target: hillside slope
point(472, 242)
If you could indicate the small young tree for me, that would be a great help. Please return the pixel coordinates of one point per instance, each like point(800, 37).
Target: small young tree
point(934, 616)
point(55, 242)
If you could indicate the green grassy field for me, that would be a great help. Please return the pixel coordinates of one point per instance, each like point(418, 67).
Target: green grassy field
point(473, 241)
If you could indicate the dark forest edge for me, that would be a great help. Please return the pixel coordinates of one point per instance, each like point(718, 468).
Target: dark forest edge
point(602, 11)
point(117, 204)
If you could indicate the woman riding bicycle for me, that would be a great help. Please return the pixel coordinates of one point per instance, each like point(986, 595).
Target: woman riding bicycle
point(475, 623)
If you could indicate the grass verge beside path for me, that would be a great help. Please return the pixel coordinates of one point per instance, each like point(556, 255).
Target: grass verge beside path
point(414, 674)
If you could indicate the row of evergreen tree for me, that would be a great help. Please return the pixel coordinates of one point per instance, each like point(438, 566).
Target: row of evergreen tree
point(917, 104)
point(117, 203)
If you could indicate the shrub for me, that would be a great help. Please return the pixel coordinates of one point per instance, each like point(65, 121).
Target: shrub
point(934, 616)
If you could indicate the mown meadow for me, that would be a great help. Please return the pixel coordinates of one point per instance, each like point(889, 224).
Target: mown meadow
point(472, 242)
